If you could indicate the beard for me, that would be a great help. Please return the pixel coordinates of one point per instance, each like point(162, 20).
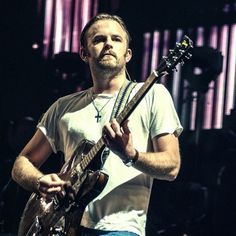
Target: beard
point(110, 65)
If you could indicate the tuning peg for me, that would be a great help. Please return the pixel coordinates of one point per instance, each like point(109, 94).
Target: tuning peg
point(168, 64)
point(182, 62)
point(188, 56)
point(175, 58)
point(174, 69)
point(178, 45)
point(181, 51)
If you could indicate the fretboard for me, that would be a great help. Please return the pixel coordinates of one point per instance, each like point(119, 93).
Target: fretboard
point(176, 55)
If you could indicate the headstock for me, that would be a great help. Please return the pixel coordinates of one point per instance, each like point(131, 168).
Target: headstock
point(177, 55)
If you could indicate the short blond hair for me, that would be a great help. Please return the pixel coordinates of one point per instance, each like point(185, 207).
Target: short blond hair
point(104, 16)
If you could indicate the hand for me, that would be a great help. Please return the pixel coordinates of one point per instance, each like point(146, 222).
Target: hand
point(119, 139)
point(51, 184)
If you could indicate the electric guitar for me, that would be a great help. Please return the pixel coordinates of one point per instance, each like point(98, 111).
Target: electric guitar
point(43, 217)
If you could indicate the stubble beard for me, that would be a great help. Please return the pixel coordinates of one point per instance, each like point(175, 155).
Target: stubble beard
point(110, 68)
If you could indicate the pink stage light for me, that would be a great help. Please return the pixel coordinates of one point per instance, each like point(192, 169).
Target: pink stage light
point(230, 86)
point(146, 48)
point(155, 50)
point(220, 82)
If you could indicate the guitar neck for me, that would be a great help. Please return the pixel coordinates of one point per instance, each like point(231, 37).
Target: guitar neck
point(178, 54)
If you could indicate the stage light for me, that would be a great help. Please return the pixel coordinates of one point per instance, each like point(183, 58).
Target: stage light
point(204, 67)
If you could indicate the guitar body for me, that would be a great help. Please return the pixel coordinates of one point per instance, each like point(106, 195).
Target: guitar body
point(49, 217)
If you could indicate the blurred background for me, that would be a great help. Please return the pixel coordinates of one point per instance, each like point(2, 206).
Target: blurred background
point(39, 62)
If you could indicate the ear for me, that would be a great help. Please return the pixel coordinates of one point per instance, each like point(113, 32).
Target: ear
point(84, 54)
point(128, 55)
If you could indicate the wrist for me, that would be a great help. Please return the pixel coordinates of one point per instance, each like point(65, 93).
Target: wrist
point(131, 160)
point(38, 182)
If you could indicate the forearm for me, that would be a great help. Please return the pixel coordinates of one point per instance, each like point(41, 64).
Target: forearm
point(25, 173)
point(160, 165)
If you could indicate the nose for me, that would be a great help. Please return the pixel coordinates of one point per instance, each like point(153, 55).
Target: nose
point(108, 43)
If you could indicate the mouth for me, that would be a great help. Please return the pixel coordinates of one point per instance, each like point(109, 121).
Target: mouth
point(109, 54)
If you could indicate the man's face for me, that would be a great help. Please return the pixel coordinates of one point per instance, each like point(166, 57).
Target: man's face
point(107, 45)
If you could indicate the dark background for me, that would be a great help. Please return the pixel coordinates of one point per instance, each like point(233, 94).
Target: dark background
point(202, 199)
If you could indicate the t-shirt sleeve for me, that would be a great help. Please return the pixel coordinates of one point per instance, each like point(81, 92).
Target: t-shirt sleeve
point(48, 125)
point(164, 118)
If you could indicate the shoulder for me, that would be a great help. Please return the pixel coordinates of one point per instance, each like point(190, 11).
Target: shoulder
point(156, 89)
point(72, 99)
point(73, 96)
point(70, 102)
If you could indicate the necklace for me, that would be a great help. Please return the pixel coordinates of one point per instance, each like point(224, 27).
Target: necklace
point(98, 116)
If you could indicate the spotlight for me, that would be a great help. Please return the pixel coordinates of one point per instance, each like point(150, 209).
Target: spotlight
point(204, 67)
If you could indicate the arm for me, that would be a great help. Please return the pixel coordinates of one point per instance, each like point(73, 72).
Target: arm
point(162, 163)
point(26, 167)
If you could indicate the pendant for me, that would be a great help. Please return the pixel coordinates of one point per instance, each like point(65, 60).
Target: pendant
point(98, 116)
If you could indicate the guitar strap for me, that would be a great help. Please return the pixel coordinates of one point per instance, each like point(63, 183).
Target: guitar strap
point(121, 100)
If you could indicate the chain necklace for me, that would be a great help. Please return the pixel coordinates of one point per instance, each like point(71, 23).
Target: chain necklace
point(98, 116)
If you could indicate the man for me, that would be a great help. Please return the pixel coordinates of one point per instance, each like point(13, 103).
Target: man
point(148, 141)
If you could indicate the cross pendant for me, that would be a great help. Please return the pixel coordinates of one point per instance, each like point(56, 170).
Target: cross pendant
point(98, 117)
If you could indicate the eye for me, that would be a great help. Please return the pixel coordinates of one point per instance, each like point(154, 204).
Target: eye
point(98, 39)
point(117, 38)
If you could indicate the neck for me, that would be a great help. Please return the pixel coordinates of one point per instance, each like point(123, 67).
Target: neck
point(109, 85)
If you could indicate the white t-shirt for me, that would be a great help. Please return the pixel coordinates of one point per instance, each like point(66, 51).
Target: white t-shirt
point(123, 203)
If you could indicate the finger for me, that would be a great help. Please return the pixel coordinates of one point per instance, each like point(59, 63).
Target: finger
point(115, 126)
point(125, 127)
point(57, 179)
point(108, 132)
point(51, 180)
point(49, 190)
point(54, 189)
